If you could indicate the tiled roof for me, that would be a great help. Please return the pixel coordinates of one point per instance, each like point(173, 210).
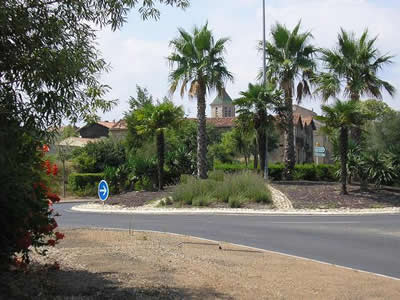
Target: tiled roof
point(222, 122)
point(106, 124)
point(120, 125)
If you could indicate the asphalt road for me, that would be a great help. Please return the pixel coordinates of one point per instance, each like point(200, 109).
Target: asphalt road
point(370, 243)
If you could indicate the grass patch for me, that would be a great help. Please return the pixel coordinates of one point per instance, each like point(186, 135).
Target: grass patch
point(234, 189)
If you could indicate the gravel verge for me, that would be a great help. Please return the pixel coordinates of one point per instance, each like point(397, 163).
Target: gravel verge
point(100, 264)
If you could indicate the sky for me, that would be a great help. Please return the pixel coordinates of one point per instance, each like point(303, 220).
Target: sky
point(137, 52)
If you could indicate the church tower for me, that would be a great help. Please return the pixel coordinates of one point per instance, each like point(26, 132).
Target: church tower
point(222, 106)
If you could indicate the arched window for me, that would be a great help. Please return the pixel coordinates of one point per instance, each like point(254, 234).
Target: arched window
point(216, 112)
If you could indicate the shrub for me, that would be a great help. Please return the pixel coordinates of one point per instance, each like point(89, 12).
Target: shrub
point(326, 172)
point(235, 189)
point(235, 201)
point(305, 172)
point(276, 171)
point(85, 184)
point(217, 175)
point(94, 157)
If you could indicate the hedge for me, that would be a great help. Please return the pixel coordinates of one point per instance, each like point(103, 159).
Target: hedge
point(311, 172)
point(81, 181)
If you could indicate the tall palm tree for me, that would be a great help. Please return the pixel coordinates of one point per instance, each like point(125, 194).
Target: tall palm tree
point(290, 61)
point(342, 116)
point(254, 104)
point(153, 120)
point(352, 69)
point(198, 63)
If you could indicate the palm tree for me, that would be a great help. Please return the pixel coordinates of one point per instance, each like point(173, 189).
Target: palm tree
point(198, 63)
point(342, 116)
point(352, 68)
point(290, 62)
point(254, 104)
point(154, 120)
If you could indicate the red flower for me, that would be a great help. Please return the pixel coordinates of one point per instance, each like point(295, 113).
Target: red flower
point(47, 166)
point(53, 197)
point(59, 236)
point(19, 263)
point(55, 170)
point(45, 148)
point(51, 242)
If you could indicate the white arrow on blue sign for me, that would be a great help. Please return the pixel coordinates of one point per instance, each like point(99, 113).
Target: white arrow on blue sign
point(103, 190)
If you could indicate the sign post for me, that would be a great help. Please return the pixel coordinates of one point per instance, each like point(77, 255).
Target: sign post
point(319, 152)
point(103, 191)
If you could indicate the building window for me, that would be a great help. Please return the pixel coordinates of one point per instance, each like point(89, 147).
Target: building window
point(216, 112)
point(225, 111)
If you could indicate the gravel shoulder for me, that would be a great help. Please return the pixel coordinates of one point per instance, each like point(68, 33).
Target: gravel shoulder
point(317, 195)
point(99, 264)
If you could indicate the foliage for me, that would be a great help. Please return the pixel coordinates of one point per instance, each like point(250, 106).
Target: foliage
point(181, 147)
point(29, 219)
point(85, 184)
point(343, 116)
point(143, 98)
point(49, 72)
point(234, 189)
point(253, 107)
point(154, 120)
point(312, 172)
point(379, 167)
point(94, 157)
point(197, 61)
point(352, 67)
point(291, 64)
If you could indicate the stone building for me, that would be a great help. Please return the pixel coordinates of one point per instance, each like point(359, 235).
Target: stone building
point(222, 106)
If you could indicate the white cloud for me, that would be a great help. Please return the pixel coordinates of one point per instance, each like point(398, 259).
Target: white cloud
point(142, 60)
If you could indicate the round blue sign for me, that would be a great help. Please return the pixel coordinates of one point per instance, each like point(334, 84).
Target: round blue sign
point(103, 190)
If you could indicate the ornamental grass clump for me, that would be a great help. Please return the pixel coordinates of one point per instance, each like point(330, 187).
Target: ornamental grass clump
point(235, 189)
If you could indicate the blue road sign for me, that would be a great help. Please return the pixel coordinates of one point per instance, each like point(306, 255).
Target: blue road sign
point(103, 190)
point(319, 149)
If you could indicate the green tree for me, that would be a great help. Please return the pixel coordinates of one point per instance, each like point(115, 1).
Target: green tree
point(352, 69)
point(143, 97)
point(254, 104)
point(290, 61)
point(342, 116)
point(197, 61)
point(49, 72)
point(154, 120)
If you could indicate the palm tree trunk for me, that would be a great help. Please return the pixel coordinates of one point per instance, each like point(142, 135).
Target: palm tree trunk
point(344, 144)
point(356, 135)
point(261, 147)
point(160, 154)
point(201, 134)
point(255, 154)
point(266, 157)
point(290, 154)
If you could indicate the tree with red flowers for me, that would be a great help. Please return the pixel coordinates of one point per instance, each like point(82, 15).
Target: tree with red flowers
point(49, 72)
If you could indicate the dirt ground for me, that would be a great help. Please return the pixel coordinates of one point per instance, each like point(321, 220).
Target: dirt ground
point(135, 199)
point(98, 264)
point(312, 195)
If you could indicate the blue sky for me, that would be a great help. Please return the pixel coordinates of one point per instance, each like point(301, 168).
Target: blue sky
point(137, 53)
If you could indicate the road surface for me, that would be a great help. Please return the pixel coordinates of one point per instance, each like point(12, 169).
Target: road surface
point(370, 243)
